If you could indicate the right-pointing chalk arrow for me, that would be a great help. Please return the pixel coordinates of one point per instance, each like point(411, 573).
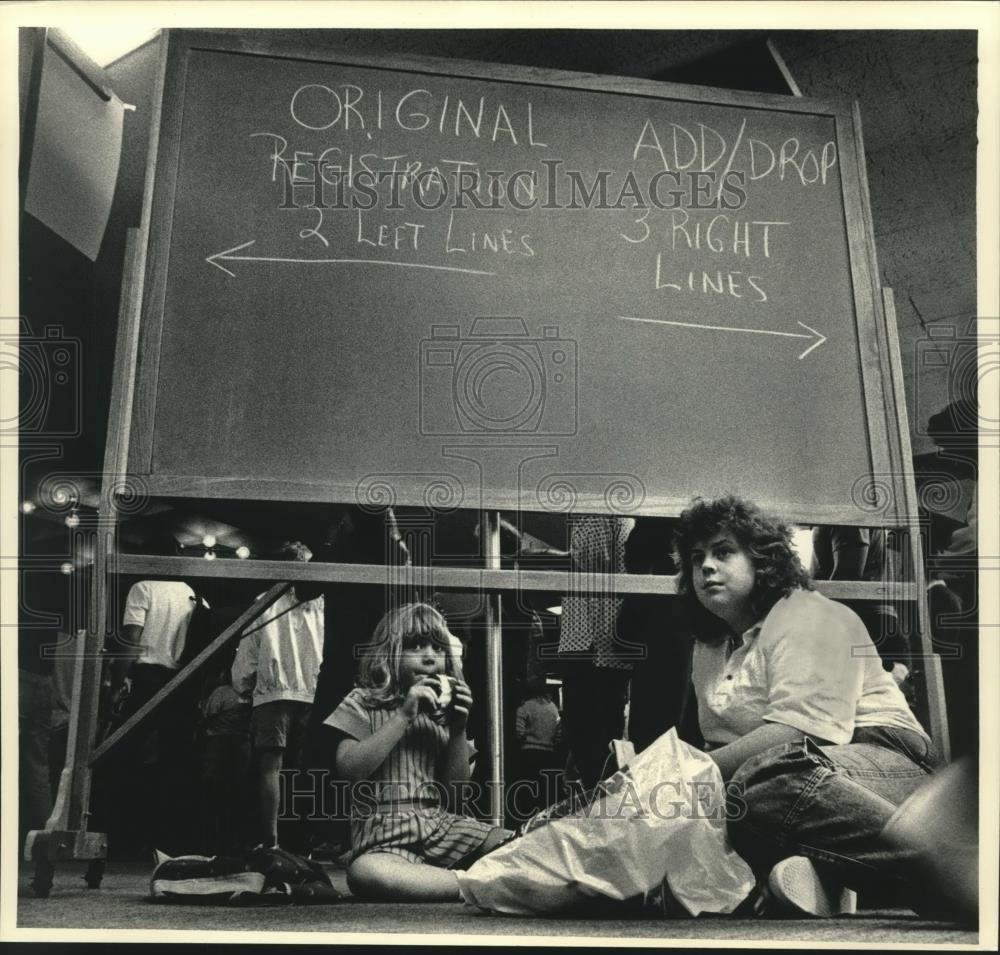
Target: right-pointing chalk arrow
point(816, 338)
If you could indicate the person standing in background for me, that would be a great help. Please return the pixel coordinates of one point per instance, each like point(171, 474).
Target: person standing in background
point(538, 731)
point(659, 626)
point(947, 483)
point(863, 553)
point(154, 628)
point(595, 663)
point(41, 592)
point(156, 787)
point(225, 766)
point(278, 664)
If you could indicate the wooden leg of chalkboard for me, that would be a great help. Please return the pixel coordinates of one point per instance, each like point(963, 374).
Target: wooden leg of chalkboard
point(59, 819)
point(936, 713)
point(494, 669)
point(930, 666)
point(65, 835)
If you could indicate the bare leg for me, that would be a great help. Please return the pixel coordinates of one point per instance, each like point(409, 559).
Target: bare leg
point(269, 793)
point(383, 877)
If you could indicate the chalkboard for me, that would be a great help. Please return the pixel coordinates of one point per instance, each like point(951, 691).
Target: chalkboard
point(467, 285)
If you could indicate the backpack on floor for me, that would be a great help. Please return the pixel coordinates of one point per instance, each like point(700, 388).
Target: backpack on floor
point(262, 876)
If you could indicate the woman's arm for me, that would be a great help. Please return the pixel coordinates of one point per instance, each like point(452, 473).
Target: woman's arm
point(730, 757)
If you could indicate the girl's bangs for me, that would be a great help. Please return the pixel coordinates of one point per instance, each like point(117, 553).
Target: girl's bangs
point(421, 636)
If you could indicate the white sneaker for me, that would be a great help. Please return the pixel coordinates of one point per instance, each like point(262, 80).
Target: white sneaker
point(797, 884)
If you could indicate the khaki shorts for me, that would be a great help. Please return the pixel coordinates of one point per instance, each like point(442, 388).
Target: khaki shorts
point(281, 725)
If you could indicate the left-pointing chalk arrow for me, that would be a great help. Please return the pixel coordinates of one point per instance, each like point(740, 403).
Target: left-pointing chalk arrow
point(229, 256)
point(815, 336)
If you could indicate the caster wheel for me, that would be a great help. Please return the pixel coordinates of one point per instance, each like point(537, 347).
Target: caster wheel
point(94, 874)
point(41, 884)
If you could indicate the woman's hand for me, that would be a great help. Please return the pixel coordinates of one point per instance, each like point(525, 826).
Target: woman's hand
point(458, 712)
point(424, 689)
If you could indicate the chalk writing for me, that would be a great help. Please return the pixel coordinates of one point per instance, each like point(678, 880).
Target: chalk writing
point(718, 234)
point(705, 148)
point(731, 283)
point(314, 232)
point(505, 240)
point(406, 235)
point(317, 107)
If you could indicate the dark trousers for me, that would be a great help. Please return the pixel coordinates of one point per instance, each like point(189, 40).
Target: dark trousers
point(536, 785)
point(661, 681)
point(33, 733)
point(150, 795)
point(227, 792)
point(593, 715)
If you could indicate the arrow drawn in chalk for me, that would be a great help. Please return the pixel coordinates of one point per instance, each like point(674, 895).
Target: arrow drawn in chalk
point(228, 256)
point(813, 334)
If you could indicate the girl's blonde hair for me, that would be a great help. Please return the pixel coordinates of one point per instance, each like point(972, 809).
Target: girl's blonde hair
point(379, 671)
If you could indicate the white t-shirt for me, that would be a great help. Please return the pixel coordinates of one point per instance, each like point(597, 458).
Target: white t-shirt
point(163, 609)
point(809, 664)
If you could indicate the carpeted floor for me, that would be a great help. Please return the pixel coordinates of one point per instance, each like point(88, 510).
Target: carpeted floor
point(122, 903)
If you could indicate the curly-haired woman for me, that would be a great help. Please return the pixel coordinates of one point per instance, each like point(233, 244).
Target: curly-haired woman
point(814, 736)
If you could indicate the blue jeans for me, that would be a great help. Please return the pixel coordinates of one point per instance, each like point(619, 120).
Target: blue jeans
point(830, 803)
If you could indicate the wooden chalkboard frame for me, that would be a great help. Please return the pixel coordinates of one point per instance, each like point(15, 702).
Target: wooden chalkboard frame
point(884, 496)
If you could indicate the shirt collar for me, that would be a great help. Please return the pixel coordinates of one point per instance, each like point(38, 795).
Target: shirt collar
point(735, 642)
point(752, 632)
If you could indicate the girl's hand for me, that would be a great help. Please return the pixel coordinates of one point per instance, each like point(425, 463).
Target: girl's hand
point(424, 689)
point(458, 712)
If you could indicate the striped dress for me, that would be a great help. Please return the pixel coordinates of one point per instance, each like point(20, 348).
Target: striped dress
point(399, 808)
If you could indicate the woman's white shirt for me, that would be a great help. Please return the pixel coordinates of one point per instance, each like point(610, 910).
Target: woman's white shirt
point(809, 664)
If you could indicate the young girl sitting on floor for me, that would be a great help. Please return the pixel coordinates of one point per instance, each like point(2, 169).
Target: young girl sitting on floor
point(394, 732)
